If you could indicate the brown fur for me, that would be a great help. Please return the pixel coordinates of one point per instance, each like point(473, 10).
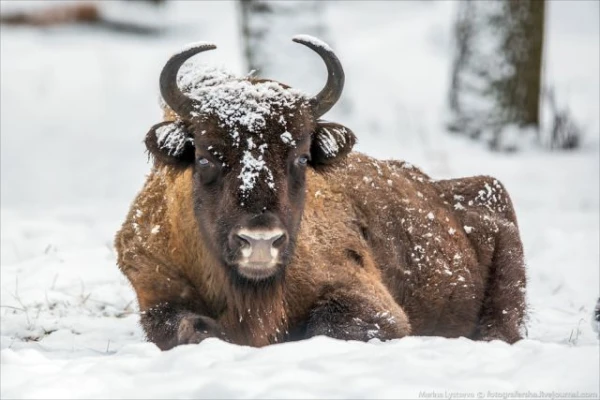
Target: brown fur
point(382, 252)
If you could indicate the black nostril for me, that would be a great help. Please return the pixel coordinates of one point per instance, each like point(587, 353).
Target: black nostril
point(236, 241)
point(280, 240)
point(242, 241)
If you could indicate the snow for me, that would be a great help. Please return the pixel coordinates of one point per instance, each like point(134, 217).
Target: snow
point(284, 371)
point(72, 164)
point(315, 42)
point(328, 143)
point(172, 138)
point(251, 170)
point(287, 138)
point(195, 45)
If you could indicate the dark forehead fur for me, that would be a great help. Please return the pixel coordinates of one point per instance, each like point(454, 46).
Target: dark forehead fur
point(297, 120)
point(238, 102)
point(286, 125)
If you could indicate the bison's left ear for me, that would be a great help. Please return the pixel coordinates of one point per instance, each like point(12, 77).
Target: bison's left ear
point(170, 143)
point(331, 143)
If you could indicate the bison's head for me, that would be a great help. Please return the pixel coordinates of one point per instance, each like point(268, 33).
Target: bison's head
point(250, 142)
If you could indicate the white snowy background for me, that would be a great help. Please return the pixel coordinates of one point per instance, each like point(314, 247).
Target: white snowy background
point(75, 106)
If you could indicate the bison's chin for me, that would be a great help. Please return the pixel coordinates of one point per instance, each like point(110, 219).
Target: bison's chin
point(255, 271)
point(257, 279)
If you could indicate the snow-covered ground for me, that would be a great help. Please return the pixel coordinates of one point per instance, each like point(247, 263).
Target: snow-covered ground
point(75, 104)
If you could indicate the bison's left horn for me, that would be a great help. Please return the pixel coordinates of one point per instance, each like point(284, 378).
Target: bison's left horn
point(332, 91)
point(173, 96)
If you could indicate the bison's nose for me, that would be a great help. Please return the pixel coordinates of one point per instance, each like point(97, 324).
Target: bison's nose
point(260, 247)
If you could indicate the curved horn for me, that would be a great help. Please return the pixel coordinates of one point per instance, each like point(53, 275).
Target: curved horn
point(173, 96)
point(332, 91)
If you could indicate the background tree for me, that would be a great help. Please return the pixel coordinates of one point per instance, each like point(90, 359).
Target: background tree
point(267, 25)
point(496, 81)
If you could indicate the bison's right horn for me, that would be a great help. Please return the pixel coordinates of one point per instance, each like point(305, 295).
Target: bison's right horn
point(332, 91)
point(173, 96)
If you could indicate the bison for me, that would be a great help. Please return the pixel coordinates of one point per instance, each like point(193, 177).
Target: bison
point(258, 224)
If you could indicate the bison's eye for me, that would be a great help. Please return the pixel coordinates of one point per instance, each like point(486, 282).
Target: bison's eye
point(208, 170)
point(302, 161)
point(203, 162)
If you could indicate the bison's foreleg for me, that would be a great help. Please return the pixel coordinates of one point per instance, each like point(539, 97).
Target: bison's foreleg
point(173, 312)
point(356, 312)
point(168, 326)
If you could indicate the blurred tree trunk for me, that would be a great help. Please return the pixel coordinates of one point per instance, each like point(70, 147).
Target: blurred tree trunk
point(497, 70)
point(267, 28)
point(266, 25)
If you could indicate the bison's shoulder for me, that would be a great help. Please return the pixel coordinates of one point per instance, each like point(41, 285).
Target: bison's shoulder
point(147, 231)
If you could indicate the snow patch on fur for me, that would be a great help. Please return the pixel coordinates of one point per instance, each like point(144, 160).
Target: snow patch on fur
point(287, 138)
point(172, 138)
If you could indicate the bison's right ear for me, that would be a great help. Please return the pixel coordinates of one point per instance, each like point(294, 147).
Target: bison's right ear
point(170, 143)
